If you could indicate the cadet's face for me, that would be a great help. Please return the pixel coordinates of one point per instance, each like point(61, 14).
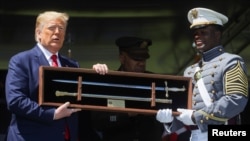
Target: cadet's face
point(206, 38)
point(52, 35)
point(131, 65)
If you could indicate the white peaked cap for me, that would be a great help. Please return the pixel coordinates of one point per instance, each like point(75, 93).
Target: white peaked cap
point(199, 17)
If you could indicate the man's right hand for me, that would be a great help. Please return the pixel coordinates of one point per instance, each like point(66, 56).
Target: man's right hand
point(64, 111)
point(164, 116)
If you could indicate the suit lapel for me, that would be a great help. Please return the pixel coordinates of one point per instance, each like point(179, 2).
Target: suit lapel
point(63, 61)
point(39, 57)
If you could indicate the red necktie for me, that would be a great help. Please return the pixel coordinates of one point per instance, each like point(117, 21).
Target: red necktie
point(54, 61)
point(67, 133)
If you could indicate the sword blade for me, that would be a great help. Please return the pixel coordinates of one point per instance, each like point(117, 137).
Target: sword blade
point(110, 84)
point(121, 85)
point(157, 100)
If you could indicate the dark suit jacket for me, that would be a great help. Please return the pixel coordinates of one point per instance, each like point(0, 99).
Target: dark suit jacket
point(29, 121)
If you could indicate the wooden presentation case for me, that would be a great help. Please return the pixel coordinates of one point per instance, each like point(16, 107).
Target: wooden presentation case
point(115, 91)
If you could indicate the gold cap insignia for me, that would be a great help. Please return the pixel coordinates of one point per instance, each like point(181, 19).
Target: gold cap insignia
point(144, 44)
point(194, 13)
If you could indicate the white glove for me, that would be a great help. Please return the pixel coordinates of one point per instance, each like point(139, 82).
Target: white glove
point(164, 116)
point(185, 116)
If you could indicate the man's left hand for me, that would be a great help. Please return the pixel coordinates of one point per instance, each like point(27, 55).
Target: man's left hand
point(100, 68)
point(185, 116)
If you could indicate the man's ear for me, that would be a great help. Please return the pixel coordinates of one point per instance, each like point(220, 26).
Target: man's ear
point(122, 58)
point(218, 35)
point(38, 32)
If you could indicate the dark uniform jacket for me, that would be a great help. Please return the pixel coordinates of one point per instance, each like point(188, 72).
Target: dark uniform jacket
point(125, 127)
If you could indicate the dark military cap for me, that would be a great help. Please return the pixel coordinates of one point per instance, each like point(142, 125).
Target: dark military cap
point(136, 48)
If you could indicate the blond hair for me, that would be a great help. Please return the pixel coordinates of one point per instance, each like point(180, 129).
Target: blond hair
point(46, 16)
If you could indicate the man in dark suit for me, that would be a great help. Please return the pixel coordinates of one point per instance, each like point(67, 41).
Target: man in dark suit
point(30, 121)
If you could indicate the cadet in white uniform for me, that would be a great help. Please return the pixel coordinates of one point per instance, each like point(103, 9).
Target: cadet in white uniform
point(220, 84)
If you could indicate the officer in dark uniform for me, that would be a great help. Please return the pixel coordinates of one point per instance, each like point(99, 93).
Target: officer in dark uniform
point(112, 126)
point(133, 53)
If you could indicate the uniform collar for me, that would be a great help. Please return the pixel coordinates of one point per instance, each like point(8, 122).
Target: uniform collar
point(212, 53)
